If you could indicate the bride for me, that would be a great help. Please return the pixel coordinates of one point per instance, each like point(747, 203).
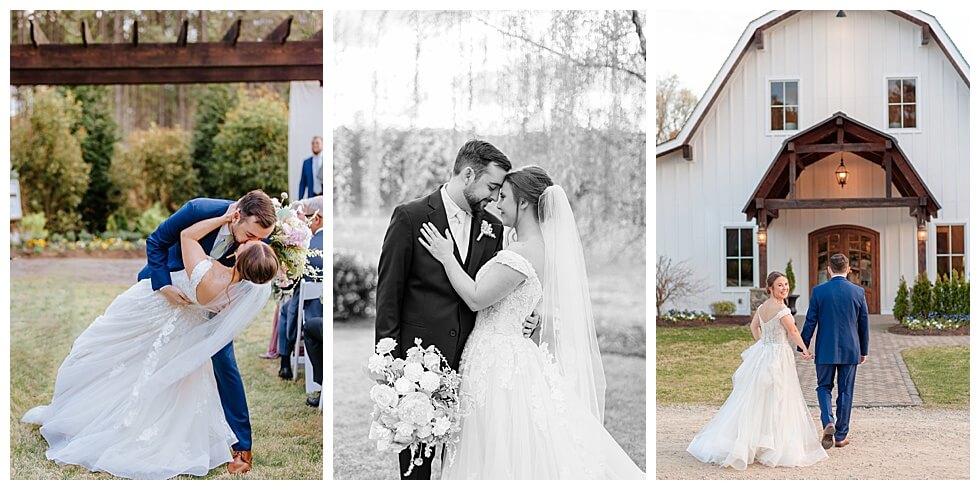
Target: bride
point(136, 397)
point(764, 418)
point(536, 412)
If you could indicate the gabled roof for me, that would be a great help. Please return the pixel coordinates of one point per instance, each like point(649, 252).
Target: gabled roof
point(775, 182)
point(753, 34)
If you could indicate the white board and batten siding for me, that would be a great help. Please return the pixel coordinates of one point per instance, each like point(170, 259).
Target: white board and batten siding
point(842, 64)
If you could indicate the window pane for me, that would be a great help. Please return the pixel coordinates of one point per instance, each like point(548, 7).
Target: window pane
point(776, 93)
point(791, 118)
point(942, 266)
point(894, 91)
point(894, 116)
point(731, 273)
point(746, 250)
point(777, 119)
point(909, 113)
point(942, 239)
point(746, 272)
point(959, 264)
point(731, 242)
point(792, 93)
point(958, 244)
point(908, 90)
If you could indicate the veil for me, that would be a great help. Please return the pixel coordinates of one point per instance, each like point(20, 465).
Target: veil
point(566, 313)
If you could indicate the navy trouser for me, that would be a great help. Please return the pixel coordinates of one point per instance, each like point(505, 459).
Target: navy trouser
point(845, 395)
point(232, 393)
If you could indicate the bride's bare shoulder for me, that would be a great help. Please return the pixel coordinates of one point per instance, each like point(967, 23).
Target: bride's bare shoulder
point(214, 282)
point(532, 251)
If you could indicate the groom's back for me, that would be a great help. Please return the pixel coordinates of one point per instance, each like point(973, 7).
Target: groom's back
point(167, 235)
point(841, 305)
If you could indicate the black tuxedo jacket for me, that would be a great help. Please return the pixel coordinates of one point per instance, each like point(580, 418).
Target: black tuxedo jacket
point(415, 298)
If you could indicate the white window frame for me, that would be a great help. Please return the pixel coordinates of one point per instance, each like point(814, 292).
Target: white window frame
point(935, 246)
point(918, 98)
point(725, 288)
point(768, 106)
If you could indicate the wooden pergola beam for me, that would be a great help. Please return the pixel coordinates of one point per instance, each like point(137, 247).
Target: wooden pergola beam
point(838, 147)
point(845, 203)
point(84, 32)
point(37, 35)
point(165, 63)
point(231, 36)
point(182, 35)
point(281, 32)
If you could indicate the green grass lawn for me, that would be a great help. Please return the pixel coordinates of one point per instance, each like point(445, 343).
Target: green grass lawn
point(941, 374)
point(355, 457)
point(695, 364)
point(49, 312)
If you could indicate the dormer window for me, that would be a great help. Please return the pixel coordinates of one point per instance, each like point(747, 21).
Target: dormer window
point(784, 105)
point(902, 109)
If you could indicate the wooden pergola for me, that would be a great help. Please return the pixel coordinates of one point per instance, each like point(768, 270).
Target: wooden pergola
point(275, 59)
point(839, 133)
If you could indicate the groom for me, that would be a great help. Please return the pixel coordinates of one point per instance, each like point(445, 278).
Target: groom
point(414, 296)
point(840, 309)
point(254, 219)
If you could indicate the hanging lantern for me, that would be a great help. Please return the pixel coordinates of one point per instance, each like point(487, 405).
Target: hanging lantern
point(841, 172)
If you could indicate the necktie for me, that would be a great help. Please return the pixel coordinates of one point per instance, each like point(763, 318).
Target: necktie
point(221, 247)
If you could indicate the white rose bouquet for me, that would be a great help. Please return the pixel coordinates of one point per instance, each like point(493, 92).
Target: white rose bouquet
point(417, 401)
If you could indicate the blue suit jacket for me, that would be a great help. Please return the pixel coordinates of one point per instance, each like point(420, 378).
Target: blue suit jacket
point(306, 180)
point(314, 307)
point(841, 311)
point(163, 245)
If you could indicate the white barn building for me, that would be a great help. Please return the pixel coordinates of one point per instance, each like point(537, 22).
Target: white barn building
point(751, 181)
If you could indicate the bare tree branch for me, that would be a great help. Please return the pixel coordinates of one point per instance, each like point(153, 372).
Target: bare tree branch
point(639, 32)
point(565, 56)
point(675, 281)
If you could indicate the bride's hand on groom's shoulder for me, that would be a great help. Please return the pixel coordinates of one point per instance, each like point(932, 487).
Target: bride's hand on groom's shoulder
point(439, 245)
point(229, 215)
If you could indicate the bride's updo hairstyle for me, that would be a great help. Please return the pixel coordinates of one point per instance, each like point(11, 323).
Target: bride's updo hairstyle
point(529, 183)
point(257, 263)
point(771, 279)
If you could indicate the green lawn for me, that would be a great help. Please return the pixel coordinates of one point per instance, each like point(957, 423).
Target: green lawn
point(49, 311)
point(355, 457)
point(941, 374)
point(695, 364)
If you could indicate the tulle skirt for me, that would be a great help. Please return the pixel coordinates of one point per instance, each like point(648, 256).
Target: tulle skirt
point(126, 403)
point(764, 419)
point(525, 423)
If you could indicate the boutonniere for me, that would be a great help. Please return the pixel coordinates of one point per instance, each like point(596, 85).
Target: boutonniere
point(485, 230)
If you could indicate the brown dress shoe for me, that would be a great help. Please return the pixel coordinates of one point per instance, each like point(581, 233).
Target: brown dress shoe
point(241, 462)
point(841, 443)
point(828, 436)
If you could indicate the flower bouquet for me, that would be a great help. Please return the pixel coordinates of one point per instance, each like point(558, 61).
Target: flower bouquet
point(417, 401)
point(290, 240)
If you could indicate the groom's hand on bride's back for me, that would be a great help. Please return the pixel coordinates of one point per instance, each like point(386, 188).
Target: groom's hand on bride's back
point(174, 296)
point(531, 324)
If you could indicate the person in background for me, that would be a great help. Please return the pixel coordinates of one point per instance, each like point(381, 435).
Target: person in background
point(313, 209)
point(311, 178)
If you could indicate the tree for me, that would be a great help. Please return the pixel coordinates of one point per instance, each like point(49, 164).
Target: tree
point(251, 147)
point(921, 296)
point(154, 165)
point(97, 150)
point(674, 105)
point(675, 281)
point(901, 308)
point(212, 108)
point(46, 153)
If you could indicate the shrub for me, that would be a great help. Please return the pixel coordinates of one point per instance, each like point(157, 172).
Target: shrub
point(155, 165)
point(685, 315)
point(921, 296)
point(723, 308)
point(354, 283)
point(212, 107)
point(97, 150)
point(790, 276)
point(32, 226)
point(251, 149)
point(46, 153)
point(901, 308)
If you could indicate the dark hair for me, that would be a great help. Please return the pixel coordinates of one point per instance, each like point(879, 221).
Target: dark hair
point(257, 264)
point(771, 279)
point(838, 263)
point(529, 183)
point(478, 155)
point(257, 203)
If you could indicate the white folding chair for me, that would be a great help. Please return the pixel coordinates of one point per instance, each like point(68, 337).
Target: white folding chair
point(307, 290)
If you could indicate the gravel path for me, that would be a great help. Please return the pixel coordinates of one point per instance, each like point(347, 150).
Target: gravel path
point(92, 271)
point(902, 443)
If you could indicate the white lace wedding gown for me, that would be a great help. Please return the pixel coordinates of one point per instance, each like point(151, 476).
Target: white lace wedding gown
point(525, 423)
point(765, 418)
point(136, 397)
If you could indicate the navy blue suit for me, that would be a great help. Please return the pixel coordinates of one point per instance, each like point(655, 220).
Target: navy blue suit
point(306, 180)
point(840, 310)
point(163, 256)
point(312, 309)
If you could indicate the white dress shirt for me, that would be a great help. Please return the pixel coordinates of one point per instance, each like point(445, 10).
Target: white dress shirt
point(318, 174)
point(460, 223)
point(223, 232)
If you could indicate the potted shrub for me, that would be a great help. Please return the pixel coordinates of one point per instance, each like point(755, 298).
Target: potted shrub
point(791, 278)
